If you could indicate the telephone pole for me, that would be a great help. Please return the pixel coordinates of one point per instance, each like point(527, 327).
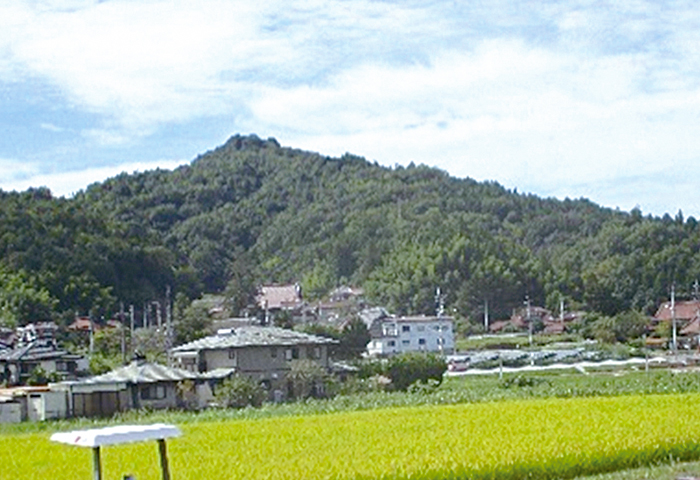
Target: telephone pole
point(529, 319)
point(673, 318)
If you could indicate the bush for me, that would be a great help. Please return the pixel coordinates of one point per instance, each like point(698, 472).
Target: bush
point(240, 392)
point(39, 376)
point(409, 368)
point(308, 380)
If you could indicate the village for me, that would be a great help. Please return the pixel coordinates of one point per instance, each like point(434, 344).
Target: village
point(44, 381)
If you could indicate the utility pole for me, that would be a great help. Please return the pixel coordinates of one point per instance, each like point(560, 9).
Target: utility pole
point(168, 325)
point(131, 330)
point(122, 327)
point(486, 315)
point(673, 317)
point(91, 348)
point(529, 319)
point(561, 310)
point(159, 314)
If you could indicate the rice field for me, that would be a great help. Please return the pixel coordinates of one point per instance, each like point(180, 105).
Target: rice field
point(543, 438)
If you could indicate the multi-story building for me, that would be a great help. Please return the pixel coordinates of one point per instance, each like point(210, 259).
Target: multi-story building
point(392, 335)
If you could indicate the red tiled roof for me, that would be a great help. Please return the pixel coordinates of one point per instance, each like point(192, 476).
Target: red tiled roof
point(693, 328)
point(279, 296)
point(685, 310)
point(80, 324)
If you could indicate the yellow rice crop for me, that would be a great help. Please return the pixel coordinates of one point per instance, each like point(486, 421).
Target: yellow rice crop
point(551, 438)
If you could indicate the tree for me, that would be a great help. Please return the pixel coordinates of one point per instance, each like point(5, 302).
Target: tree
point(307, 379)
point(192, 319)
point(353, 339)
point(408, 368)
point(239, 392)
point(22, 301)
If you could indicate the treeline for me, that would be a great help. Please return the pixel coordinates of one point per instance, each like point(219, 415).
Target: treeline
point(252, 212)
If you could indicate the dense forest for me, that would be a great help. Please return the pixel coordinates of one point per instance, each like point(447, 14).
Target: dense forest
point(252, 212)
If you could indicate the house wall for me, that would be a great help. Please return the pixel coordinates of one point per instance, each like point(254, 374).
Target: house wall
point(396, 336)
point(263, 362)
point(99, 403)
point(157, 395)
point(268, 364)
point(47, 406)
point(10, 412)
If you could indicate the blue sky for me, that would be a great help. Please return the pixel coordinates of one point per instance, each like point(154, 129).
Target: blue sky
point(566, 99)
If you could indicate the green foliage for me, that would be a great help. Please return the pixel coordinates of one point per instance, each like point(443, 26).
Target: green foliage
point(406, 369)
point(621, 328)
point(522, 381)
point(22, 301)
point(239, 392)
point(39, 376)
point(252, 212)
point(100, 363)
point(191, 319)
point(283, 319)
point(353, 339)
point(308, 379)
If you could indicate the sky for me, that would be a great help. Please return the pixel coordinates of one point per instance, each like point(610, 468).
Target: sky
point(559, 99)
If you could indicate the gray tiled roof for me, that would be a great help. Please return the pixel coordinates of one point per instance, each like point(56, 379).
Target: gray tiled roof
point(138, 372)
point(37, 350)
point(251, 336)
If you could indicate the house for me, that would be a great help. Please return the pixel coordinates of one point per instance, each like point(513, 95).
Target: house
point(138, 385)
point(264, 354)
point(17, 364)
point(687, 316)
point(279, 297)
point(683, 311)
point(392, 335)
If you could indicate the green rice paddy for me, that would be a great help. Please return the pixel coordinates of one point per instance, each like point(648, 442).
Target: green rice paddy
point(538, 438)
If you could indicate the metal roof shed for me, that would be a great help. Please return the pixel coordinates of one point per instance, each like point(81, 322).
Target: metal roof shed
point(96, 438)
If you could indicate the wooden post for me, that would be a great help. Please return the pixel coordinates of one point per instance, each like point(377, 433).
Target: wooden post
point(96, 464)
point(163, 459)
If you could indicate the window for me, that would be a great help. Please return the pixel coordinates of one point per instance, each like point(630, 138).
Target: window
point(231, 354)
point(389, 330)
point(405, 328)
point(421, 328)
point(273, 352)
point(440, 341)
point(405, 342)
point(421, 341)
point(153, 392)
point(291, 353)
point(317, 352)
point(391, 343)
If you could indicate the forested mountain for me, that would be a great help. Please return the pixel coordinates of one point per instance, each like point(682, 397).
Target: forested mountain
point(252, 211)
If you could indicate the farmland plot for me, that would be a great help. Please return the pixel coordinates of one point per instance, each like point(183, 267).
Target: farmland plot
point(551, 438)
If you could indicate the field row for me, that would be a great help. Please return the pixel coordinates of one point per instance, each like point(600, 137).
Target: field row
point(552, 438)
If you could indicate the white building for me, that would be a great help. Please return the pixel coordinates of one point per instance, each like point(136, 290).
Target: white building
point(392, 335)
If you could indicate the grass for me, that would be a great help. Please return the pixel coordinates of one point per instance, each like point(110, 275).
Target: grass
point(453, 391)
point(539, 438)
point(485, 394)
point(521, 340)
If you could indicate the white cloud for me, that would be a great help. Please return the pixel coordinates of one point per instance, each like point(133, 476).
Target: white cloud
point(504, 107)
point(70, 182)
point(539, 97)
